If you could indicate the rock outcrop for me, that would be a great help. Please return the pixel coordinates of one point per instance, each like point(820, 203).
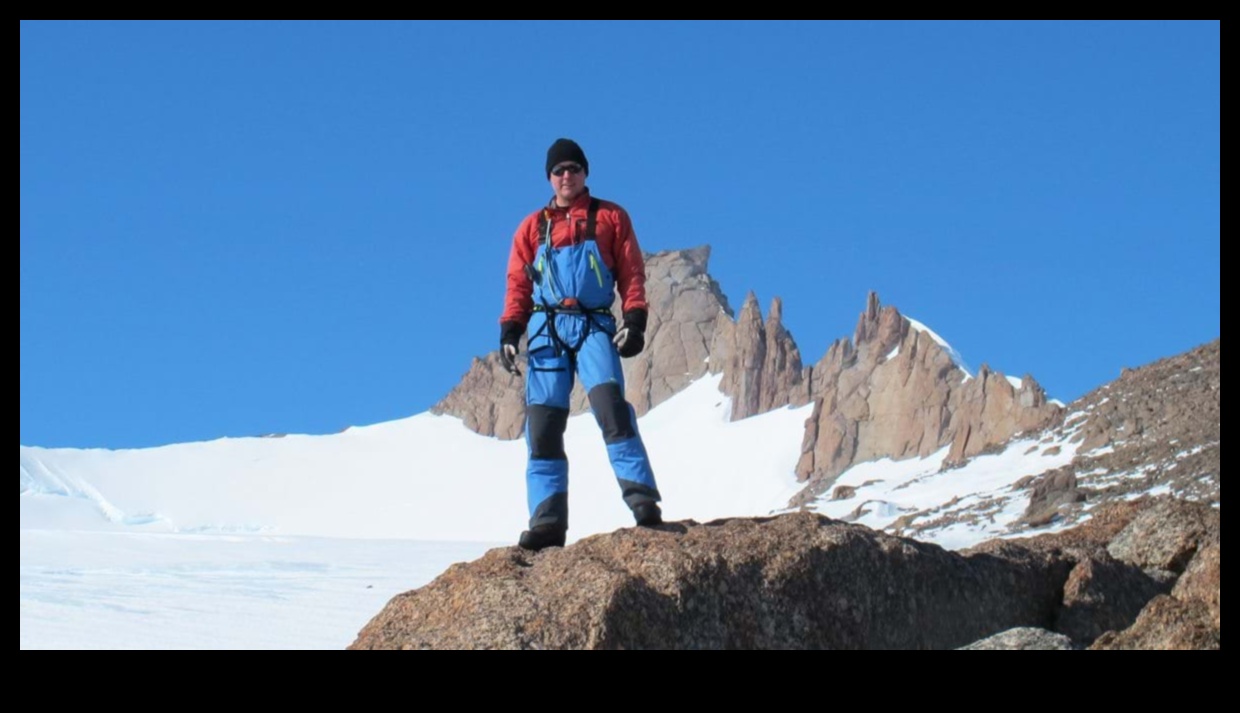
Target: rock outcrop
point(488, 399)
point(793, 581)
point(1145, 574)
point(1157, 427)
point(989, 410)
point(686, 306)
point(894, 391)
point(801, 580)
point(760, 362)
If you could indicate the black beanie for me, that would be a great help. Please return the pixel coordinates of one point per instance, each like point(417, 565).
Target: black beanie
point(566, 150)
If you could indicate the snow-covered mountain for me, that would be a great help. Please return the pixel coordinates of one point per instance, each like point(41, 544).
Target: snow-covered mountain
point(426, 477)
point(889, 429)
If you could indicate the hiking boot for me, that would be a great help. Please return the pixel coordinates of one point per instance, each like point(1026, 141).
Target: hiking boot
point(540, 536)
point(648, 514)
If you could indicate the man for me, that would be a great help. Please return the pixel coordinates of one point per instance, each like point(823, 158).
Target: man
point(567, 262)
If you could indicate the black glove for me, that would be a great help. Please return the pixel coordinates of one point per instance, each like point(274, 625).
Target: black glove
point(509, 338)
point(631, 337)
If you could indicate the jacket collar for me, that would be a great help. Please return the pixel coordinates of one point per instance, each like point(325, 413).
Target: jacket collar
point(581, 203)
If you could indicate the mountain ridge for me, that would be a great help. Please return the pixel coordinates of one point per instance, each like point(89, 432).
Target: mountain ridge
point(893, 389)
point(893, 433)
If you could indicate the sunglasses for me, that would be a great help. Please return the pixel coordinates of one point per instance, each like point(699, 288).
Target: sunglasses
point(572, 168)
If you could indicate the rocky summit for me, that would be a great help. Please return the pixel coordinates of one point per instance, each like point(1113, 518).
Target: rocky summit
point(803, 581)
point(1117, 546)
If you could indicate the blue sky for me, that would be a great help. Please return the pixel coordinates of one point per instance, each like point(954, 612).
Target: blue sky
point(230, 229)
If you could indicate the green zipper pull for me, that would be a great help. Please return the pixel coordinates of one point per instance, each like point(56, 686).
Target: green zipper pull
point(597, 273)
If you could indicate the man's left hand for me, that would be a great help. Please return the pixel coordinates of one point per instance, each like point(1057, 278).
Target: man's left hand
point(630, 339)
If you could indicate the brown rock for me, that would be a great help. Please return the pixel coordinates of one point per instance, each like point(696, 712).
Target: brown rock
point(1056, 488)
point(1203, 582)
point(1161, 428)
point(489, 400)
point(801, 580)
point(794, 581)
point(989, 410)
point(1166, 623)
point(894, 392)
point(686, 306)
point(1166, 534)
point(1171, 402)
point(1191, 617)
point(1104, 594)
point(1103, 591)
point(763, 367)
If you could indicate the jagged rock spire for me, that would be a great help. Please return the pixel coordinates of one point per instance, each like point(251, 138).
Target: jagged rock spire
point(892, 391)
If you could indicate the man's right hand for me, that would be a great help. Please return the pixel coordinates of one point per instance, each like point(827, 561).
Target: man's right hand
point(509, 338)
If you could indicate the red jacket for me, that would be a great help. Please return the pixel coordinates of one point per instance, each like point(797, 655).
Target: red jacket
point(616, 243)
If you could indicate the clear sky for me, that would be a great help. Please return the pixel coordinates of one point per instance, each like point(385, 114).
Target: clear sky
point(297, 542)
point(239, 228)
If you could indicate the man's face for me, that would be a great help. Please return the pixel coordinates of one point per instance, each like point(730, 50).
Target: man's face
point(568, 180)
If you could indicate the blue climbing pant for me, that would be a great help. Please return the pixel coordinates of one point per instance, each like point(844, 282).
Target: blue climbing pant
point(577, 344)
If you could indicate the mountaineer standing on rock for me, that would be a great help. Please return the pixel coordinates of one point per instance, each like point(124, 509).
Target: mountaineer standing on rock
point(568, 259)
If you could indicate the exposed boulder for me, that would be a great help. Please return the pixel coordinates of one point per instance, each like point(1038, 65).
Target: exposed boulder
point(801, 580)
point(792, 581)
point(1024, 638)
